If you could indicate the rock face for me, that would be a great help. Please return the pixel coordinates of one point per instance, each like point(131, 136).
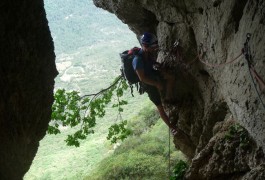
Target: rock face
point(27, 73)
point(209, 94)
point(209, 100)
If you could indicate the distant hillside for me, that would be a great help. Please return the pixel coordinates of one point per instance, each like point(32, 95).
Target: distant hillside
point(87, 42)
point(75, 25)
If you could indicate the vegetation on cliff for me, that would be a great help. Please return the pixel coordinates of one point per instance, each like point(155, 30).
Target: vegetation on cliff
point(144, 155)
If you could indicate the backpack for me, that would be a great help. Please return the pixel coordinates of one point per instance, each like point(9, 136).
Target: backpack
point(127, 70)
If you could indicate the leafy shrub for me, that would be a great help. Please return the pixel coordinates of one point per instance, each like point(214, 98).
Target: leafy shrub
point(145, 145)
point(236, 131)
point(132, 165)
point(144, 120)
point(149, 116)
point(179, 170)
point(143, 156)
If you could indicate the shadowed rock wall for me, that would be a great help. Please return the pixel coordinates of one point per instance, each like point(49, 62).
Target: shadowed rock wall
point(27, 73)
point(205, 96)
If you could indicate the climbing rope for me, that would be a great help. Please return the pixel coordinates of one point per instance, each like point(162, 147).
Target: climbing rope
point(202, 53)
point(247, 53)
point(169, 163)
point(259, 96)
point(175, 50)
point(248, 58)
point(258, 78)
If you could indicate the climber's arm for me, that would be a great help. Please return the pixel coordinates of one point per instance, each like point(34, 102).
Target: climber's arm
point(145, 79)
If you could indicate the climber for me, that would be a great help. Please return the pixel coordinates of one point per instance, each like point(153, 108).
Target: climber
point(143, 64)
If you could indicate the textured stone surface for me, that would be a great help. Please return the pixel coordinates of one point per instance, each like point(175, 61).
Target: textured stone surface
point(27, 74)
point(207, 96)
point(227, 157)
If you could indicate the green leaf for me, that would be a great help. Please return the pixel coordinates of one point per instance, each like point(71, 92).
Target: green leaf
point(70, 109)
point(118, 132)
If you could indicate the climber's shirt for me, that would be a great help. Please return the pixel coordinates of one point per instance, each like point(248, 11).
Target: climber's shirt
point(140, 63)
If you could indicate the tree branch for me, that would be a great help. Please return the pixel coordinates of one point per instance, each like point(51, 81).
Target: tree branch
point(103, 90)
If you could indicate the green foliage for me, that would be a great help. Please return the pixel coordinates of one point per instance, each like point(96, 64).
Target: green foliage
point(179, 170)
point(91, 39)
point(70, 109)
point(148, 117)
point(236, 131)
point(118, 132)
point(141, 156)
point(131, 165)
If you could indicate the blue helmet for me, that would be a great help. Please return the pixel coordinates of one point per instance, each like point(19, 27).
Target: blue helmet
point(148, 38)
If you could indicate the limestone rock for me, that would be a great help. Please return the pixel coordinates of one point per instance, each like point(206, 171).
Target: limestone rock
point(230, 154)
point(209, 93)
point(205, 96)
